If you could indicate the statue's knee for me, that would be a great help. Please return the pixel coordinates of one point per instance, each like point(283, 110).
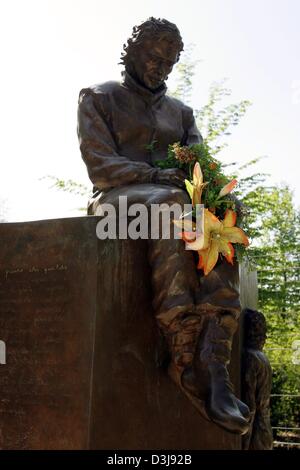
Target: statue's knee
point(181, 197)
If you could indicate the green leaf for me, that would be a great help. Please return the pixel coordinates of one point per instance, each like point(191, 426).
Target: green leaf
point(189, 188)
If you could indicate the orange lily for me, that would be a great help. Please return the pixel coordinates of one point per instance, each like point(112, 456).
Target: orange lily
point(195, 189)
point(194, 238)
point(216, 236)
point(228, 188)
point(218, 239)
point(190, 235)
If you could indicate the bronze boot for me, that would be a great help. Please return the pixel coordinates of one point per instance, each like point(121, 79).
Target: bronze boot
point(183, 339)
point(213, 356)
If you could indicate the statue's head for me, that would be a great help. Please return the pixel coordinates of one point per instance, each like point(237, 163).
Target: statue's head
point(152, 51)
point(255, 329)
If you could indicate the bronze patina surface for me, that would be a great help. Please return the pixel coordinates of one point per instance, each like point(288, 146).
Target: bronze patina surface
point(48, 289)
point(256, 381)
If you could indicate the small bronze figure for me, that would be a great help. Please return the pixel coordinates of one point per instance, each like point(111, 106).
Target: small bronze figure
point(117, 123)
point(256, 382)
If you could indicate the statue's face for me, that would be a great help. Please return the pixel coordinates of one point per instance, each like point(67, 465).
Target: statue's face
point(154, 62)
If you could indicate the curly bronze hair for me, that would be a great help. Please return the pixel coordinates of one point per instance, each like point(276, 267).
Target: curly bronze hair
point(255, 328)
point(151, 28)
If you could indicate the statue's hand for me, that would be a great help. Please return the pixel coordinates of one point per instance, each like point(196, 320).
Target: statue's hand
point(173, 176)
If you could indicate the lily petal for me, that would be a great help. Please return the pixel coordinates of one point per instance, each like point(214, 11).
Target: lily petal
point(197, 175)
point(229, 257)
point(212, 258)
point(211, 222)
point(188, 237)
point(228, 188)
point(229, 219)
point(189, 188)
point(197, 244)
point(197, 193)
point(235, 235)
point(203, 255)
point(227, 250)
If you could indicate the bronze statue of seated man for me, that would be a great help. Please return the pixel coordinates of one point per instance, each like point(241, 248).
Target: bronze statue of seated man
point(117, 124)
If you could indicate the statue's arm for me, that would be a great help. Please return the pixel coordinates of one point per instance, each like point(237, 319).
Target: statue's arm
point(191, 132)
point(106, 168)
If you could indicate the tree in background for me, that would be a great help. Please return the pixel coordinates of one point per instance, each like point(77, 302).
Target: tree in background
point(277, 261)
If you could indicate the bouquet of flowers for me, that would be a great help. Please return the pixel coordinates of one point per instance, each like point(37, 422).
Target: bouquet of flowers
point(207, 185)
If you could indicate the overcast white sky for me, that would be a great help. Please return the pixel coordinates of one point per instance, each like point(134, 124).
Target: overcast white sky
point(50, 49)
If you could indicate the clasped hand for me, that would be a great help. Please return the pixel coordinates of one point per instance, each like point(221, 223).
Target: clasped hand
point(173, 176)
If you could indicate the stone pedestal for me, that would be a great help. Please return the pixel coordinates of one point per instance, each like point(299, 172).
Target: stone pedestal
point(248, 286)
point(48, 290)
point(84, 359)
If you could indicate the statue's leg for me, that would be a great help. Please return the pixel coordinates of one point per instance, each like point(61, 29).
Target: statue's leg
point(175, 283)
point(174, 277)
point(197, 316)
point(218, 303)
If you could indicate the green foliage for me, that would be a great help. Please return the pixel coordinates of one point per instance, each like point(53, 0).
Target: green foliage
point(278, 254)
point(216, 122)
point(283, 332)
point(277, 259)
point(212, 170)
point(172, 162)
point(185, 72)
point(151, 147)
point(69, 186)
